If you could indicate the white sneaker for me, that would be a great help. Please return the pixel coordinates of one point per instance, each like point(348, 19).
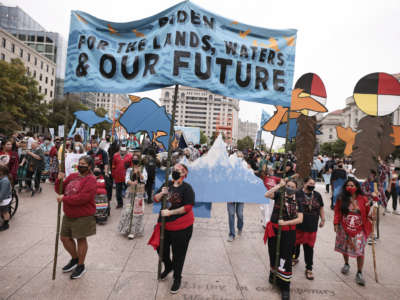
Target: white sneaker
point(131, 236)
point(396, 212)
point(230, 238)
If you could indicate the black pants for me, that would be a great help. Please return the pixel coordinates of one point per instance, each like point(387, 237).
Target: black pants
point(149, 189)
point(119, 188)
point(109, 186)
point(394, 195)
point(327, 188)
point(308, 255)
point(284, 274)
point(179, 242)
point(29, 175)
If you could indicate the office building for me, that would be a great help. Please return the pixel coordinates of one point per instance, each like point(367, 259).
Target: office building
point(38, 66)
point(247, 128)
point(111, 102)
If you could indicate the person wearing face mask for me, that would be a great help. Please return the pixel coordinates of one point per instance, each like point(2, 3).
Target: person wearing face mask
point(35, 166)
point(101, 161)
point(179, 219)
point(131, 222)
point(46, 147)
point(53, 169)
point(79, 206)
point(352, 224)
point(306, 232)
point(292, 214)
point(121, 161)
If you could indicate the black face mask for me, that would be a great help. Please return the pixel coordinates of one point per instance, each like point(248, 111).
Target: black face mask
point(97, 173)
point(83, 169)
point(310, 188)
point(176, 175)
point(289, 191)
point(135, 161)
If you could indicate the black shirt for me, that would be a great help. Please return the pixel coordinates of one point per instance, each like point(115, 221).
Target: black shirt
point(311, 203)
point(338, 173)
point(290, 210)
point(178, 197)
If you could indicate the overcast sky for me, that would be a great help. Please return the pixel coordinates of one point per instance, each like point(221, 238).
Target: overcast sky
point(340, 40)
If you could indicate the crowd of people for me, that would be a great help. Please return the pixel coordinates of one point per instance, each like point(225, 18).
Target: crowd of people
point(103, 165)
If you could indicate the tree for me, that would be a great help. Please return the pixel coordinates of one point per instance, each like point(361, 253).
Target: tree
point(203, 138)
point(245, 143)
point(20, 101)
point(58, 110)
point(333, 148)
point(101, 112)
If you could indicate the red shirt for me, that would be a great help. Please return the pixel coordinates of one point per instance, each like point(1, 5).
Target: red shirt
point(364, 210)
point(79, 193)
point(119, 166)
point(101, 186)
point(13, 163)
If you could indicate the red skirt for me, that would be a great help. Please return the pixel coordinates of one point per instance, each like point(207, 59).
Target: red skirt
point(307, 238)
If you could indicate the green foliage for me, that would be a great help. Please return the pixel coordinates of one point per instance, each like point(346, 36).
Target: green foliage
point(333, 149)
point(58, 112)
point(245, 143)
point(20, 101)
point(101, 112)
point(203, 137)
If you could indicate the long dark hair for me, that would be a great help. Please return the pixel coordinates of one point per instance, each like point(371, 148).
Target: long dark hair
point(345, 196)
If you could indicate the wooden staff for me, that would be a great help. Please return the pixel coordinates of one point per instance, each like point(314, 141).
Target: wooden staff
point(272, 144)
point(374, 212)
point(164, 199)
point(282, 198)
point(60, 191)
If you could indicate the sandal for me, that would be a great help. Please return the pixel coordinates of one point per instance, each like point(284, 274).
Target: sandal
point(309, 275)
point(295, 261)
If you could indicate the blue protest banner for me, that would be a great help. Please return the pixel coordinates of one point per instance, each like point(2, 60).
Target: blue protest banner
point(186, 45)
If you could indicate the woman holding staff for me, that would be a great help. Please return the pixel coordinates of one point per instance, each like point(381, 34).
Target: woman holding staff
point(292, 214)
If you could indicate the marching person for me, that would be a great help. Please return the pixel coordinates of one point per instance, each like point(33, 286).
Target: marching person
point(179, 219)
point(292, 214)
point(78, 198)
point(5, 196)
point(121, 161)
point(306, 232)
point(13, 161)
point(101, 161)
point(35, 166)
point(235, 208)
point(352, 225)
point(131, 222)
point(338, 177)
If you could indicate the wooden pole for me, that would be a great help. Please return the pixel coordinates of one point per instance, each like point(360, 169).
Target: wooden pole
point(164, 199)
point(282, 194)
point(60, 191)
point(272, 144)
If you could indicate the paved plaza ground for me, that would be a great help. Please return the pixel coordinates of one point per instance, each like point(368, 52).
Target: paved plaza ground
point(215, 269)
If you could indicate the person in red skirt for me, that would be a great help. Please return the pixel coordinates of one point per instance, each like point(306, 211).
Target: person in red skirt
point(306, 232)
point(352, 226)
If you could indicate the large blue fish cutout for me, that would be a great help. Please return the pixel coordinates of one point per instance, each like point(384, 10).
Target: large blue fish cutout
point(281, 131)
point(146, 115)
point(90, 118)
